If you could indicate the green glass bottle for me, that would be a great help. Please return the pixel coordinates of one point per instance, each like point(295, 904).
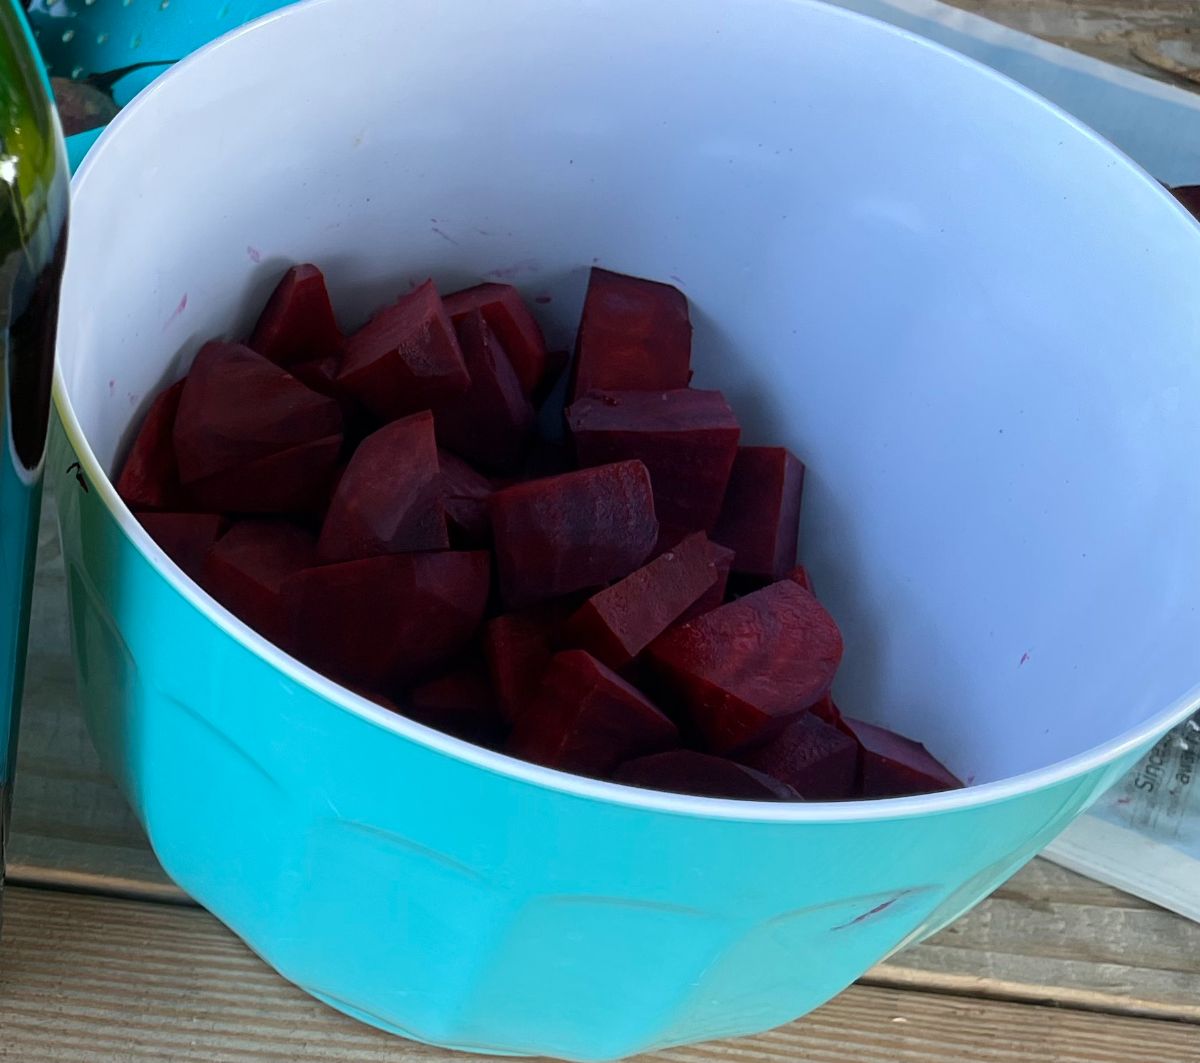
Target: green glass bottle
point(33, 228)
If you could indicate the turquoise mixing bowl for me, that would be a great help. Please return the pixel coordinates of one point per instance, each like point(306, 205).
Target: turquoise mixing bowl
point(974, 320)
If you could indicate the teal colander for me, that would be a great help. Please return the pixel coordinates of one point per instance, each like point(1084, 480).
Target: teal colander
point(125, 44)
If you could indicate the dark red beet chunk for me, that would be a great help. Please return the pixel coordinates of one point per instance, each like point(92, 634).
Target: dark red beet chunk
point(827, 712)
point(387, 620)
point(818, 761)
point(760, 518)
point(378, 699)
point(634, 335)
point(571, 532)
point(519, 648)
point(722, 559)
point(293, 481)
point(617, 623)
point(509, 318)
point(247, 567)
point(461, 703)
point(406, 358)
point(745, 669)
point(684, 771)
point(1189, 196)
point(800, 575)
point(587, 719)
point(320, 374)
point(388, 500)
point(687, 439)
point(185, 537)
point(150, 478)
point(297, 323)
point(489, 423)
point(891, 765)
point(237, 407)
point(465, 494)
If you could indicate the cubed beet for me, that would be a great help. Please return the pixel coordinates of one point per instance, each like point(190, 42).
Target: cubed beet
point(827, 712)
point(150, 476)
point(1189, 196)
point(465, 494)
point(722, 559)
point(760, 517)
point(567, 533)
point(634, 335)
point(489, 424)
point(295, 481)
point(891, 765)
point(587, 719)
point(800, 575)
point(686, 438)
point(509, 318)
point(185, 538)
point(684, 771)
point(818, 761)
point(617, 623)
point(406, 358)
point(747, 668)
point(461, 703)
point(518, 647)
point(237, 407)
point(247, 567)
point(386, 621)
point(389, 499)
point(297, 324)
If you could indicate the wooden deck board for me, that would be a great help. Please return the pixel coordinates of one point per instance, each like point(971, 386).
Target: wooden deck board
point(98, 980)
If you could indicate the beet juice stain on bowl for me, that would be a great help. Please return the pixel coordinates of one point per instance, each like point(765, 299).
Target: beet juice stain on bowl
point(653, 654)
point(461, 896)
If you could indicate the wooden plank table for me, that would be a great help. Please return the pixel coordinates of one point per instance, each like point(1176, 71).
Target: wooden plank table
point(104, 960)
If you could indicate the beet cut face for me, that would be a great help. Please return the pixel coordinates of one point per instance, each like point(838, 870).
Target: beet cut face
point(818, 761)
point(459, 702)
point(722, 561)
point(509, 318)
point(572, 532)
point(686, 438)
point(245, 571)
point(387, 621)
point(185, 538)
point(150, 476)
point(760, 517)
point(634, 334)
point(490, 423)
point(295, 481)
point(518, 648)
point(465, 494)
point(684, 771)
point(891, 765)
point(237, 407)
point(747, 668)
point(587, 719)
point(406, 358)
point(297, 324)
point(389, 499)
point(617, 623)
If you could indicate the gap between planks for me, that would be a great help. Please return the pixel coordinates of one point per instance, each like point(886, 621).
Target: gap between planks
point(108, 981)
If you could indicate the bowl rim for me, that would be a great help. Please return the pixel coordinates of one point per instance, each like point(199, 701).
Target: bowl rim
point(1061, 771)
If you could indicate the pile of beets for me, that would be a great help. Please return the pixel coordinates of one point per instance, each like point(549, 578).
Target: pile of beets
point(624, 605)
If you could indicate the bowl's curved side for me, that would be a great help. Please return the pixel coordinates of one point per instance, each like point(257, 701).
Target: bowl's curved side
point(441, 900)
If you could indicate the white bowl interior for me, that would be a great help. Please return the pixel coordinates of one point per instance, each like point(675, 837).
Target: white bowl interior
point(974, 321)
